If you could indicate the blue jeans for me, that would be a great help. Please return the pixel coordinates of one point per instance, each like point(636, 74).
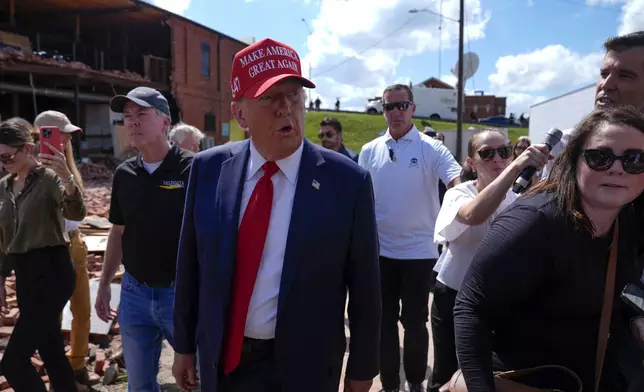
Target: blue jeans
point(145, 318)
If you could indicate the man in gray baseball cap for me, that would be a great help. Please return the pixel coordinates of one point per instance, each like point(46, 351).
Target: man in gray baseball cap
point(146, 212)
point(143, 96)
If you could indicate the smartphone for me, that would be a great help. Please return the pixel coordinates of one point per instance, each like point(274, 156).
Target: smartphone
point(50, 135)
point(633, 295)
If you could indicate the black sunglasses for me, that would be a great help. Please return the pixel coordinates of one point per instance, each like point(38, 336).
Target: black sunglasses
point(327, 134)
point(487, 154)
point(602, 160)
point(402, 106)
point(8, 158)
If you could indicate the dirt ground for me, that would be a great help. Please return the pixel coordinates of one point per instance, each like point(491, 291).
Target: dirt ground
point(168, 385)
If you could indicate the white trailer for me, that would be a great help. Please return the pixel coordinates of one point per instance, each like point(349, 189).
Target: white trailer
point(563, 112)
point(431, 103)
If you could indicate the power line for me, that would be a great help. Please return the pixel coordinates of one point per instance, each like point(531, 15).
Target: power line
point(399, 28)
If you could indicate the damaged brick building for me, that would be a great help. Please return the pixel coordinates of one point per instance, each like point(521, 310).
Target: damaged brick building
point(73, 56)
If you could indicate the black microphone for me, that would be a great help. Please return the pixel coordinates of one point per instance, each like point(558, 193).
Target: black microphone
point(552, 138)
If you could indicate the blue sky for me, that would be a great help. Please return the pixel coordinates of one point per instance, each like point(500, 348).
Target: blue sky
point(529, 49)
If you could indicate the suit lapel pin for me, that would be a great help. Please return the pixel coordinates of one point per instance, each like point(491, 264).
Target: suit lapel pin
point(316, 185)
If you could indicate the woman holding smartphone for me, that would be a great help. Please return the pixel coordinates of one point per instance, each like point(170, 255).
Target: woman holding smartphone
point(34, 199)
point(80, 301)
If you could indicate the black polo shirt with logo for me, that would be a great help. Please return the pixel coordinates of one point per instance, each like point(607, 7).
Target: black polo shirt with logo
point(150, 206)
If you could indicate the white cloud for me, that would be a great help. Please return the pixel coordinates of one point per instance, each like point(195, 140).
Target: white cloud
point(356, 45)
point(632, 16)
point(175, 6)
point(450, 79)
point(553, 67)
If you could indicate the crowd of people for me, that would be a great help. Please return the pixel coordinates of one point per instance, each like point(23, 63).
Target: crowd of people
point(251, 258)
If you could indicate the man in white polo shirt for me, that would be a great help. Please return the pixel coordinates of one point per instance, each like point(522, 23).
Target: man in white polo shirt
point(405, 167)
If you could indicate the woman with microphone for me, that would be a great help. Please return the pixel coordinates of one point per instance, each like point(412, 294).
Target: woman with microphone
point(522, 306)
point(464, 218)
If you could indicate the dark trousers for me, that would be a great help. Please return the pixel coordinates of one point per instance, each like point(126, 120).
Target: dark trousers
point(445, 361)
point(409, 282)
point(256, 371)
point(45, 280)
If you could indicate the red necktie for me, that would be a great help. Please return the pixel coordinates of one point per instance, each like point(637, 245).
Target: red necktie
point(250, 246)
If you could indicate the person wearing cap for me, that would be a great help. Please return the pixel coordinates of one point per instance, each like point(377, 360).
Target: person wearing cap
point(80, 302)
point(34, 198)
point(268, 301)
point(146, 210)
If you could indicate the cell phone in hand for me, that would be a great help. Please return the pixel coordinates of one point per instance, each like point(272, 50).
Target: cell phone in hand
point(633, 295)
point(50, 135)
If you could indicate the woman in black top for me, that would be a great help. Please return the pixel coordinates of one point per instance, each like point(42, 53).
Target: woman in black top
point(522, 306)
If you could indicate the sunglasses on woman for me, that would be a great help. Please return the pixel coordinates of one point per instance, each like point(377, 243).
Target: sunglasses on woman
point(602, 160)
point(8, 158)
point(487, 154)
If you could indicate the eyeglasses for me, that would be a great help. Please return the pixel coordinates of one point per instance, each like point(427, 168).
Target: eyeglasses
point(327, 134)
point(602, 160)
point(8, 158)
point(487, 154)
point(390, 106)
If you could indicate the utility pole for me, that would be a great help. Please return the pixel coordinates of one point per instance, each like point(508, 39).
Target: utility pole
point(310, 94)
point(461, 85)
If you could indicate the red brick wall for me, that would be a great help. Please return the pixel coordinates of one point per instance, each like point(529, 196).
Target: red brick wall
point(480, 103)
point(195, 94)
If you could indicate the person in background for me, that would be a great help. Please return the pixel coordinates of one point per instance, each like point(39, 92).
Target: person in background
point(520, 146)
point(34, 199)
point(148, 195)
point(545, 309)
point(330, 135)
point(264, 306)
point(80, 302)
point(465, 217)
point(406, 167)
point(621, 81)
point(440, 137)
point(186, 137)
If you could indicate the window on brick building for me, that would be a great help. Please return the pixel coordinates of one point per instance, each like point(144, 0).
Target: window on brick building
point(209, 122)
point(499, 109)
point(488, 108)
point(475, 109)
point(205, 59)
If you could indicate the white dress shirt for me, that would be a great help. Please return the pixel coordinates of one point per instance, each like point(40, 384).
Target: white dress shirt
point(262, 311)
point(405, 176)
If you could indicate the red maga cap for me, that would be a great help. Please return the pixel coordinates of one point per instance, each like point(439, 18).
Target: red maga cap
point(261, 65)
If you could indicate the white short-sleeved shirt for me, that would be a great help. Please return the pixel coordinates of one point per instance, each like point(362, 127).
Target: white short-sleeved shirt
point(405, 176)
point(556, 151)
point(463, 240)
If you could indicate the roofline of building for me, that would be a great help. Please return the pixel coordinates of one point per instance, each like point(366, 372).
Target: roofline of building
point(162, 10)
point(562, 95)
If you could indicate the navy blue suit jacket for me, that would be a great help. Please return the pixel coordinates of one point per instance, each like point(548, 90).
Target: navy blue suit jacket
point(332, 249)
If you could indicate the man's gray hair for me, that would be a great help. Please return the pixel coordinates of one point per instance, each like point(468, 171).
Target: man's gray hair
point(178, 132)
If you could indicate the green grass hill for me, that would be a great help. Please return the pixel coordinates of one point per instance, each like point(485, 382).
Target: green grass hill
point(360, 128)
